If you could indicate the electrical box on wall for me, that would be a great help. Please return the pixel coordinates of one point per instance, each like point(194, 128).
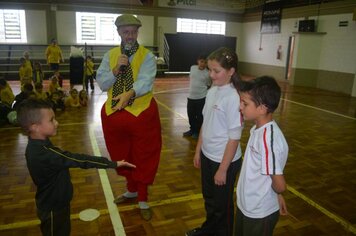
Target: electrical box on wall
point(306, 26)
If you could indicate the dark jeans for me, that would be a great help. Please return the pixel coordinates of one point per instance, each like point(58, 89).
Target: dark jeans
point(55, 223)
point(89, 78)
point(246, 226)
point(54, 66)
point(219, 203)
point(194, 109)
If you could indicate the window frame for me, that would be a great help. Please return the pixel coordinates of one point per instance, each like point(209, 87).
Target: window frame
point(200, 26)
point(15, 31)
point(100, 34)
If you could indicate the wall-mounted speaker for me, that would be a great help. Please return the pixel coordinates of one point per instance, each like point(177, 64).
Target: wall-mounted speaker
point(306, 26)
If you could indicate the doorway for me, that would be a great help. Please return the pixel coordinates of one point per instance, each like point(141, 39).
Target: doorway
point(289, 60)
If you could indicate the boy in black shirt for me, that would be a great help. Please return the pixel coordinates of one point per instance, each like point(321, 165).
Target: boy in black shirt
point(49, 166)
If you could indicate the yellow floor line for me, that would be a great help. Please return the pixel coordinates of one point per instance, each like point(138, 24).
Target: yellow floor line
point(29, 223)
point(169, 109)
point(170, 90)
point(347, 225)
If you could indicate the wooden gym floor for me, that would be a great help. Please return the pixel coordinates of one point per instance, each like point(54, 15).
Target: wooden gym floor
point(319, 126)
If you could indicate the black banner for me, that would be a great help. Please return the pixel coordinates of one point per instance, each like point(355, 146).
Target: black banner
point(271, 17)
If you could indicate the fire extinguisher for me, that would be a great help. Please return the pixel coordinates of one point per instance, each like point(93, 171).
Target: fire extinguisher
point(279, 52)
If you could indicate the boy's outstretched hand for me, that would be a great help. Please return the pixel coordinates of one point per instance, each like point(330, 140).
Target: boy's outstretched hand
point(125, 163)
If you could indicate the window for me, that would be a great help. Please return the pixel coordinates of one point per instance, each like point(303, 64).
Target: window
point(12, 26)
point(96, 28)
point(200, 26)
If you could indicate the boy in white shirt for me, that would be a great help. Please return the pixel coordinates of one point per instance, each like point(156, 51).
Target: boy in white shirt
point(198, 88)
point(261, 181)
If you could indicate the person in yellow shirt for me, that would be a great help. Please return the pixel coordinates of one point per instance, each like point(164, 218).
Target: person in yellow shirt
point(40, 93)
point(28, 62)
point(25, 73)
point(38, 74)
point(54, 55)
point(89, 73)
point(73, 99)
point(7, 97)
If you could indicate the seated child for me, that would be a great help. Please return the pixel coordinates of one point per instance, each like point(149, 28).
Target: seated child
point(73, 99)
point(27, 91)
point(54, 85)
point(56, 101)
point(7, 97)
point(49, 166)
point(83, 98)
point(40, 94)
point(59, 77)
point(25, 73)
point(38, 74)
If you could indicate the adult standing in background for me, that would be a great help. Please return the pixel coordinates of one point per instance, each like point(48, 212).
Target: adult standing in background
point(130, 117)
point(54, 55)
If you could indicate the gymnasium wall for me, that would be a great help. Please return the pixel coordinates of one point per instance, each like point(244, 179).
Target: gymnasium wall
point(324, 61)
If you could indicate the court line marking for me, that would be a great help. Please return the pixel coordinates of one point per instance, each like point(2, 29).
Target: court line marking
point(171, 110)
point(319, 109)
point(109, 195)
point(103, 177)
point(347, 225)
point(186, 198)
point(170, 90)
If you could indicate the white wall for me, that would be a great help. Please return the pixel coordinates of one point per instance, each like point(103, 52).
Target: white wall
point(66, 30)
point(36, 27)
point(262, 48)
point(339, 44)
point(146, 32)
point(166, 25)
point(234, 29)
point(337, 49)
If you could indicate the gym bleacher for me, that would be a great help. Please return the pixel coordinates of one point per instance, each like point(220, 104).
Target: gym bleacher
point(10, 58)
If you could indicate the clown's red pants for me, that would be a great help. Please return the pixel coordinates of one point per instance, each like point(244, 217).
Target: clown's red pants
point(136, 140)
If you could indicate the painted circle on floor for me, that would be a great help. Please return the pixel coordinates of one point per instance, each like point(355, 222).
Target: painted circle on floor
point(89, 214)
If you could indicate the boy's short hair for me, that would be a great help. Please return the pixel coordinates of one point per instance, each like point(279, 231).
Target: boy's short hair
point(28, 87)
point(202, 57)
point(28, 112)
point(3, 82)
point(264, 90)
point(38, 85)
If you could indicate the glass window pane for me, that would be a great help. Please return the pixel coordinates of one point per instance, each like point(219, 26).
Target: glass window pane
point(13, 26)
point(96, 28)
point(200, 26)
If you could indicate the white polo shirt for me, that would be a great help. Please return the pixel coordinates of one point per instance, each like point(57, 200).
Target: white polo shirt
point(199, 82)
point(266, 154)
point(222, 121)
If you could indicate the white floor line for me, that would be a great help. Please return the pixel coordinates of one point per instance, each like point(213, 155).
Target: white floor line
point(109, 196)
point(319, 109)
point(170, 90)
point(347, 225)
